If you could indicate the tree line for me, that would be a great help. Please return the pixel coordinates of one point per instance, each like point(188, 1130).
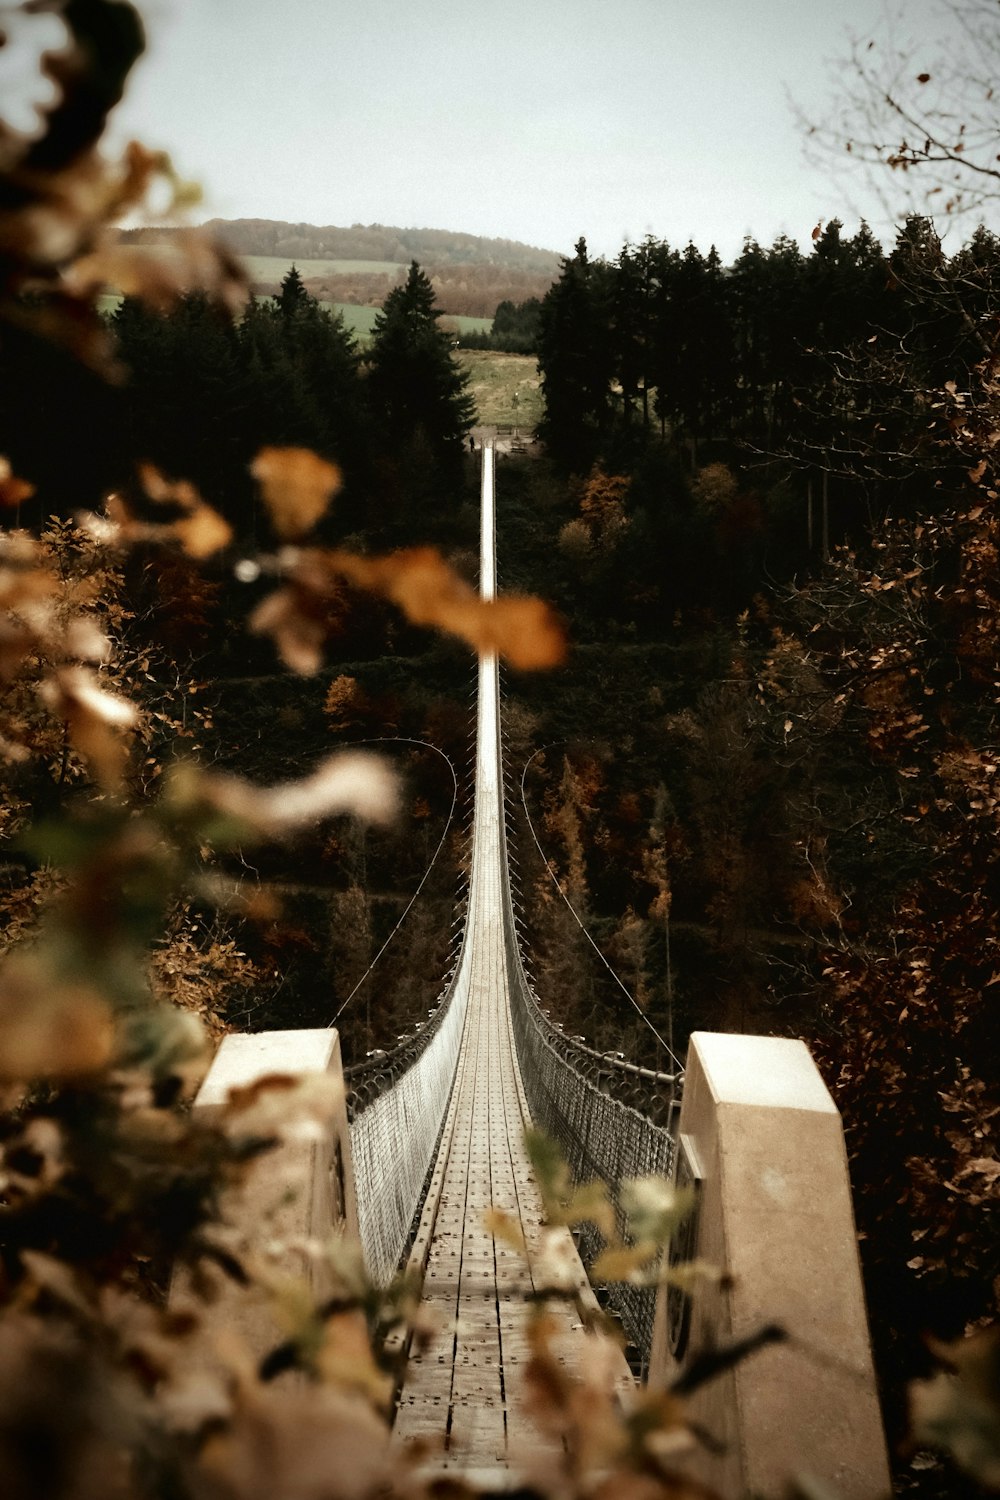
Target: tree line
point(782, 354)
point(199, 392)
point(774, 489)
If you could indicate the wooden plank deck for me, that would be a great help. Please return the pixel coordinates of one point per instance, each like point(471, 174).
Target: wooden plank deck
point(465, 1392)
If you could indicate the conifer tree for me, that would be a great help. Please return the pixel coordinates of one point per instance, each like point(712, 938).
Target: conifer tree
point(293, 296)
point(576, 360)
point(418, 394)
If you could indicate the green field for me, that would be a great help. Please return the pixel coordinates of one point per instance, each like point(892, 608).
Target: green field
point(495, 380)
point(358, 320)
point(361, 320)
point(462, 324)
point(274, 267)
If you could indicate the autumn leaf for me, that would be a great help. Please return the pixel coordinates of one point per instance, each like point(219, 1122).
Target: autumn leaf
point(555, 1263)
point(297, 487)
point(654, 1207)
point(291, 1442)
point(300, 618)
point(352, 782)
point(12, 489)
point(50, 1030)
point(96, 720)
point(982, 1166)
point(160, 275)
point(202, 532)
point(521, 628)
point(622, 1263)
point(199, 530)
point(302, 614)
point(958, 1409)
point(505, 1228)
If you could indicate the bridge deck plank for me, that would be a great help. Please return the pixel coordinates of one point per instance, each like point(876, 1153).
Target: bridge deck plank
point(465, 1396)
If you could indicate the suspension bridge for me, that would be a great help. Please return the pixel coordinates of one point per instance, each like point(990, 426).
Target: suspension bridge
point(466, 1390)
point(432, 1140)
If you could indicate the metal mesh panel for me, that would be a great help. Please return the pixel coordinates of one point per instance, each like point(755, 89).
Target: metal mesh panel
point(599, 1135)
point(611, 1119)
point(397, 1105)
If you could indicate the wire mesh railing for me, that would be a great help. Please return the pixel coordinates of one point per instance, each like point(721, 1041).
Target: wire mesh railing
point(397, 1100)
point(612, 1119)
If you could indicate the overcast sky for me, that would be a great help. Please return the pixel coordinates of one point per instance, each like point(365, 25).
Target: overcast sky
point(536, 120)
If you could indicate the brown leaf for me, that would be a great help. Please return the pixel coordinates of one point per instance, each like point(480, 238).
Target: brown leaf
point(503, 1226)
point(159, 275)
point(303, 1443)
point(12, 489)
point(48, 1030)
point(200, 530)
point(958, 1409)
point(297, 623)
point(352, 782)
point(97, 720)
point(345, 1359)
point(297, 487)
point(521, 628)
point(622, 1263)
point(982, 1166)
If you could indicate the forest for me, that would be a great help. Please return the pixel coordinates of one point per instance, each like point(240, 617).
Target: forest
point(762, 502)
point(779, 557)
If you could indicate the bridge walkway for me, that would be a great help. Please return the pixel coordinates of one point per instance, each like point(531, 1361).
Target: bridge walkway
point(465, 1392)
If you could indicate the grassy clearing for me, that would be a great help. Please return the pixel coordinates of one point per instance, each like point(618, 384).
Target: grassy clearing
point(361, 320)
point(459, 323)
point(275, 267)
point(358, 320)
point(505, 387)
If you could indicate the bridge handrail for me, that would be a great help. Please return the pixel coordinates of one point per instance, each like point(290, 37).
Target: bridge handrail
point(369, 1078)
point(611, 1119)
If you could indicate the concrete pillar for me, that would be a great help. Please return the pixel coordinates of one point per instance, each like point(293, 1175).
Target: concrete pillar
point(762, 1141)
point(294, 1197)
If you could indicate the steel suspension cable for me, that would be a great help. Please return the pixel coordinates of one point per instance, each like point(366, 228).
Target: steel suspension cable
point(399, 739)
point(576, 916)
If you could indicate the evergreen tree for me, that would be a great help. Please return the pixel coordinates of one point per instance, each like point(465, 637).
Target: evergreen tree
point(515, 327)
point(703, 360)
point(418, 395)
point(293, 297)
point(202, 396)
point(303, 372)
point(184, 390)
point(631, 327)
point(576, 360)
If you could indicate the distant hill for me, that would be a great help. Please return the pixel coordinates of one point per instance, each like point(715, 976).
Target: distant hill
point(470, 274)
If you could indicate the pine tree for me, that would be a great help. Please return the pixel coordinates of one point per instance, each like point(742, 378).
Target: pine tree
point(576, 360)
point(293, 297)
point(304, 385)
point(418, 394)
